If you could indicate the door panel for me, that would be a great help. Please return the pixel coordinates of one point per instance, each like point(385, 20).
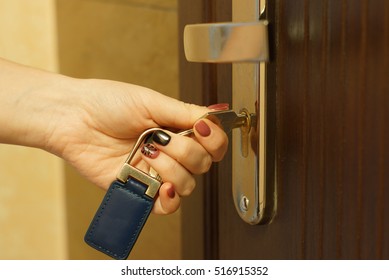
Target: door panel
point(333, 99)
point(329, 75)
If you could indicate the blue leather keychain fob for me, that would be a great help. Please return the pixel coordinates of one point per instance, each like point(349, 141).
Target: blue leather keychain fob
point(124, 209)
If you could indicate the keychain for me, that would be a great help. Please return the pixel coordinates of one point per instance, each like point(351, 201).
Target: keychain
point(130, 198)
point(124, 209)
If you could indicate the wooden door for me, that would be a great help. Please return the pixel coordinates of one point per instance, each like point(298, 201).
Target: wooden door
point(329, 75)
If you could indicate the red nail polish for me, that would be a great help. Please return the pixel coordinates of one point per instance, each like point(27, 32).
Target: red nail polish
point(202, 128)
point(149, 150)
point(219, 107)
point(171, 192)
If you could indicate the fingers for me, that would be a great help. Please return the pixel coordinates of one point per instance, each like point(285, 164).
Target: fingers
point(176, 158)
point(169, 169)
point(175, 114)
point(168, 201)
point(212, 138)
point(188, 152)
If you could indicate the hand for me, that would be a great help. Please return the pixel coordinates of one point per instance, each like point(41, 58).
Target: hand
point(93, 124)
point(98, 128)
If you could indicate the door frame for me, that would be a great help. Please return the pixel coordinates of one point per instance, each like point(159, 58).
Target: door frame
point(203, 83)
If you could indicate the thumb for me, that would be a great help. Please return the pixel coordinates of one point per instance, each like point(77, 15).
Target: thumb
point(174, 113)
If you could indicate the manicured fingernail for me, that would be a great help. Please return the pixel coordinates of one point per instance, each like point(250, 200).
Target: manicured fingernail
point(161, 137)
point(171, 192)
point(202, 128)
point(149, 150)
point(219, 107)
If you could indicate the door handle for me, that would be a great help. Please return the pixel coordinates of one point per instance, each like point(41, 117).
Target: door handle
point(226, 42)
point(244, 42)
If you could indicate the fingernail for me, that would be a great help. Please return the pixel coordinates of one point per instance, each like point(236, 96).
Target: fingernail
point(171, 192)
point(149, 150)
point(219, 107)
point(202, 128)
point(161, 137)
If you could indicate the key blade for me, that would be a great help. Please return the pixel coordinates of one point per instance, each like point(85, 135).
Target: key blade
point(227, 119)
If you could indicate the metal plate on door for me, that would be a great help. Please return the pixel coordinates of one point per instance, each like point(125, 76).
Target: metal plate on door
point(244, 42)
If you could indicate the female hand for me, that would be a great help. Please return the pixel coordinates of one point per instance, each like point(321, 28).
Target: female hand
point(97, 135)
point(93, 124)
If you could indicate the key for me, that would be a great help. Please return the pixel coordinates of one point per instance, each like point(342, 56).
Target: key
point(227, 119)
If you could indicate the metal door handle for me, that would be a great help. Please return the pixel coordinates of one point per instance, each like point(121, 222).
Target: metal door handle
point(227, 42)
point(245, 43)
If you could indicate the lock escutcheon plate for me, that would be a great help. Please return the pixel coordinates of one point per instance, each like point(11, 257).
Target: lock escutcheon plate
point(253, 172)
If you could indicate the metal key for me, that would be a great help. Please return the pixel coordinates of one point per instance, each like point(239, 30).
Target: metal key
point(227, 119)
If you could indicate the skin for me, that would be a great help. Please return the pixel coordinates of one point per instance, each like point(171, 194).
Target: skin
point(93, 124)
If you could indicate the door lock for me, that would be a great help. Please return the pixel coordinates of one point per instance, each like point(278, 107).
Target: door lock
point(244, 42)
point(245, 130)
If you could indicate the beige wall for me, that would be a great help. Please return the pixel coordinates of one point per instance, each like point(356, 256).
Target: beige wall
point(28, 32)
point(128, 40)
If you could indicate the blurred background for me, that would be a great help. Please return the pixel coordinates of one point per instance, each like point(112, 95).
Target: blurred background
point(45, 206)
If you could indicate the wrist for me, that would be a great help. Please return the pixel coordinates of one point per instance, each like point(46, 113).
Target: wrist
point(59, 115)
point(34, 103)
